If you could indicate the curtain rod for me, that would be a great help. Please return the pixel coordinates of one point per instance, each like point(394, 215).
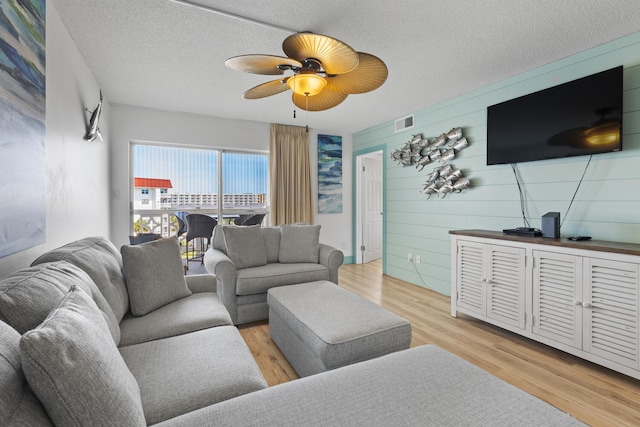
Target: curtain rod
point(234, 16)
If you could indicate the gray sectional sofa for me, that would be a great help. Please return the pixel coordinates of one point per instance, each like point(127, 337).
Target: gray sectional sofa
point(248, 261)
point(173, 348)
point(90, 336)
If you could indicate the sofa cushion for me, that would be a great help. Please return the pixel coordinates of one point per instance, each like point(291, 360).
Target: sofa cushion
point(29, 295)
point(100, 259)
point(258, 280)
point(299, 243)
point(75, 369)
point(245, 246)
point(192, 313)
point(271, 239)
point(18, 405)
point(187, 372)
point(422, 386)
point(154, 274)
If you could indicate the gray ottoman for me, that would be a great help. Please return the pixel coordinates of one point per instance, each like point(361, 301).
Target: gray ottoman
point(319, 326)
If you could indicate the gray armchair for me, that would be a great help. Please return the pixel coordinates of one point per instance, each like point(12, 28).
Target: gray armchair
point(249, 260)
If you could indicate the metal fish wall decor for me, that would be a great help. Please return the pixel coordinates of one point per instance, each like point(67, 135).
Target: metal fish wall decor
point(420, 152)
point(93, 131)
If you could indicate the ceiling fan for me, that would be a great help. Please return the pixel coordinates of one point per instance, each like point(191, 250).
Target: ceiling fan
point(325, 71)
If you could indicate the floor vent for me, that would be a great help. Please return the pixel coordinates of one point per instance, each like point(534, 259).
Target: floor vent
point(404, 123)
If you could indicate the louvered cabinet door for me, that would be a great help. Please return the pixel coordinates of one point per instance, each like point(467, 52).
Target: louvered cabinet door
point(557, 297)
point(505, 285)
point(470, 272)
point(611, 310)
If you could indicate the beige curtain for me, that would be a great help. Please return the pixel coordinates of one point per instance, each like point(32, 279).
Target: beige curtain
point(291, 198)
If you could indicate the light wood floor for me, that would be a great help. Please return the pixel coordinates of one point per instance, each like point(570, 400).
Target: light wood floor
point(595, 395)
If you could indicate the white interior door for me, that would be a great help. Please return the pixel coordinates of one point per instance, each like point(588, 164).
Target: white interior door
point(372, 208)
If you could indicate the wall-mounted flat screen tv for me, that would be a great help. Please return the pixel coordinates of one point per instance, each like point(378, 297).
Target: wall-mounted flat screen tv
point(577, 118)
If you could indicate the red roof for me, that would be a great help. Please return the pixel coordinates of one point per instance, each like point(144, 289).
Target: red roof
point(152, 183)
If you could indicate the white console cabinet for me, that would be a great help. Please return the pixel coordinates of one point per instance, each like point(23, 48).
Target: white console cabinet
point(580, 297)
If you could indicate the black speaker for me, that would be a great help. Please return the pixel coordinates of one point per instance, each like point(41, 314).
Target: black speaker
point(551, 225)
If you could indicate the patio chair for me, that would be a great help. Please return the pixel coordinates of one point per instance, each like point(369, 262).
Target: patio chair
point(254, 219)
point(199, 227)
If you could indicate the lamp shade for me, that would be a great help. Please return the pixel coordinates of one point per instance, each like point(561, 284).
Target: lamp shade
point(307, 84)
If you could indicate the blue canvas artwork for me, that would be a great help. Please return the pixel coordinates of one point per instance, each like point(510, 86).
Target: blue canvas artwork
point(329, 174)
point(22, 125)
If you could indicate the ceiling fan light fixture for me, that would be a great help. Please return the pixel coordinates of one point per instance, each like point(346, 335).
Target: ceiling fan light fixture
point(307, 84)
point(325, 71)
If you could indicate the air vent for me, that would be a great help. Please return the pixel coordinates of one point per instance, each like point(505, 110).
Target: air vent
point(404, 123)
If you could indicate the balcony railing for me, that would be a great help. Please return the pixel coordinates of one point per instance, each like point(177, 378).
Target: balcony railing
point(164, 222)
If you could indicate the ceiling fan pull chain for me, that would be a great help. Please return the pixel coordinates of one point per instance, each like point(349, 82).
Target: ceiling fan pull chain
point(306, 97)
point(294, 89)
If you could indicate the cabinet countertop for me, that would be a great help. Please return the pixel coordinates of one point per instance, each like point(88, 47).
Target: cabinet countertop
point(591, 245)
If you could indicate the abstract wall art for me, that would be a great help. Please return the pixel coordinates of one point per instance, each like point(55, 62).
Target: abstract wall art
point(329, 174)
point(22, 125)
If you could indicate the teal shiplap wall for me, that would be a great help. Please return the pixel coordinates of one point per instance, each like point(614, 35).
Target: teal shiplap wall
point(607, 205)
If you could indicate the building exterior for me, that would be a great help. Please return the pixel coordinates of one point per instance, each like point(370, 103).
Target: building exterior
point(210, 201)
point(149, 192)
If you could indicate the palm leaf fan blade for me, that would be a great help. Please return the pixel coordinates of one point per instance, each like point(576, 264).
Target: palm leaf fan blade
point(335, 56)
point(263, 90)
point(261, 64)
point(369, 75)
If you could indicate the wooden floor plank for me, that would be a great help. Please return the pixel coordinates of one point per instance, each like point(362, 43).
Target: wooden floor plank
point(592, 394)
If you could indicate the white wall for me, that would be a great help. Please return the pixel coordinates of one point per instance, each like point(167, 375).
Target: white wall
point(153, 125)
point(606, 206)
point(77, 173)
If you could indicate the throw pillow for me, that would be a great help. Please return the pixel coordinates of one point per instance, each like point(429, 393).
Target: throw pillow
point(76, 370)
point(299, 243)
point(245, 246)
point(154, 274)
point(18, 404)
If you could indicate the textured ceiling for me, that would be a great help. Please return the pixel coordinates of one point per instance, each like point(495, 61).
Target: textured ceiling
point(167, 55)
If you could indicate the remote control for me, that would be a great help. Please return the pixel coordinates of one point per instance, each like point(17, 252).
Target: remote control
point(580, 238)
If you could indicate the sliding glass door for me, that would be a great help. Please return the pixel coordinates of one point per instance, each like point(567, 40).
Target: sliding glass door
point(228, 185)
